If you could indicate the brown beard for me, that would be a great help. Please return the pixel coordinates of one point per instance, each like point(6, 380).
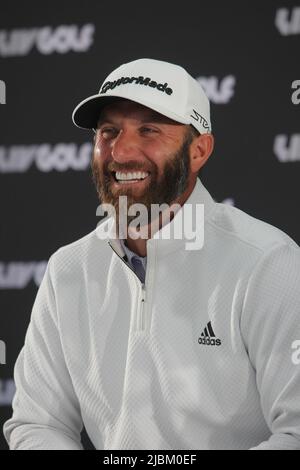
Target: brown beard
point(164, 190)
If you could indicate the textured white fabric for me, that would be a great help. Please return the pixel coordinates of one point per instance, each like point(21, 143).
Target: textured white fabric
point(127, 362)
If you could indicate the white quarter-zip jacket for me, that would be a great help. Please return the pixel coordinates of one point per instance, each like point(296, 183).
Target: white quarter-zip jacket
point(203, 357)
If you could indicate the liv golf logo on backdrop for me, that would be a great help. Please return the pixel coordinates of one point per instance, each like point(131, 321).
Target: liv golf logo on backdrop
point(7, 391)
point(288, 21)
point(2, 352)
point(2, 92)
point(218, 91)
point(18, 274)
point(47, 40)
point(296, 93)
point(60, 157)
point(287, 148)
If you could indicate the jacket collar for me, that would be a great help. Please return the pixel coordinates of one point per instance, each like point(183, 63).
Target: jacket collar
point(173, 236)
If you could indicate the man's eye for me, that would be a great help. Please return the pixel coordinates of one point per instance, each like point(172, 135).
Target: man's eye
point(108, 132)
point(148, 130)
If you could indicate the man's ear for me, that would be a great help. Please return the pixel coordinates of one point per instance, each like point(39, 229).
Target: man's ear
point(200, 150)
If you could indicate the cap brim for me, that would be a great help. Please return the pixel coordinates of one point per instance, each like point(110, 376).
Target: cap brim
point(86, 113)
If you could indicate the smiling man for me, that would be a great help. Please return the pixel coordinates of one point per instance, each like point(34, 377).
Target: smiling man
point(147, 343)
point(144, 156)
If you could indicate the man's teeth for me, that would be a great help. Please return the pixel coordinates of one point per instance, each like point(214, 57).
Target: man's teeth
point(138, 175)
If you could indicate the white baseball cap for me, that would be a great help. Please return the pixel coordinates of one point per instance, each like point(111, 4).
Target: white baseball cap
point(166, 88)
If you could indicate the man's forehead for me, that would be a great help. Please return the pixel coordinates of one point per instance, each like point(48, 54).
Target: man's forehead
point(126, 108)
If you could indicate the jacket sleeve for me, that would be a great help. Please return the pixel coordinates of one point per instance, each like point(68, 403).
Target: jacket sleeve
point(46, 413)
point(271, 329)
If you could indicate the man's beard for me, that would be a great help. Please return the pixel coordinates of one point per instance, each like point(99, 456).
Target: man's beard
point(164, 190)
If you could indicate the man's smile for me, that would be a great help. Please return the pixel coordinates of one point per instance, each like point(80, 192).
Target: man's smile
point(136, 178)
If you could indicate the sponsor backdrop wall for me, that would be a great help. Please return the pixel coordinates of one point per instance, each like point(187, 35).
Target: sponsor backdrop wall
point(246, 56)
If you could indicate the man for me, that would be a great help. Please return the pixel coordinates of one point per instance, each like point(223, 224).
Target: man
point(147, 341)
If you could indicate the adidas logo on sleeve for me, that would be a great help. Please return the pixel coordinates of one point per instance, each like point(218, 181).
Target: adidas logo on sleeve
point(208, 337)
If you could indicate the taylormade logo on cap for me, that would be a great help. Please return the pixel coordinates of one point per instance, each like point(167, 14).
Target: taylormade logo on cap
point(164, 87)
point(138, 81)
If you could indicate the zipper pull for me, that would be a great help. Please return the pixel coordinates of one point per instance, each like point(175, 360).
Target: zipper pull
point(142, 311)
point(143, 292)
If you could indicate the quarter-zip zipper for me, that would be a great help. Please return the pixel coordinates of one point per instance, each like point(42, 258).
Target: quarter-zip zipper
point(141, 307)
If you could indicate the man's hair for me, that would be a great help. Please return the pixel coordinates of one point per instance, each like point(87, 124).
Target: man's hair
point(192, 133)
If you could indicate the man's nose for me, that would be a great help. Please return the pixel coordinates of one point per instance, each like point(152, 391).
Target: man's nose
point(125, 146)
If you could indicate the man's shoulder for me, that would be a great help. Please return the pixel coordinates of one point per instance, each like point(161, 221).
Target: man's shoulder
point(80, 251)
point(247, 230)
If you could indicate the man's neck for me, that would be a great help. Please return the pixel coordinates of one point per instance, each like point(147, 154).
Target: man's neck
point(139, 245)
